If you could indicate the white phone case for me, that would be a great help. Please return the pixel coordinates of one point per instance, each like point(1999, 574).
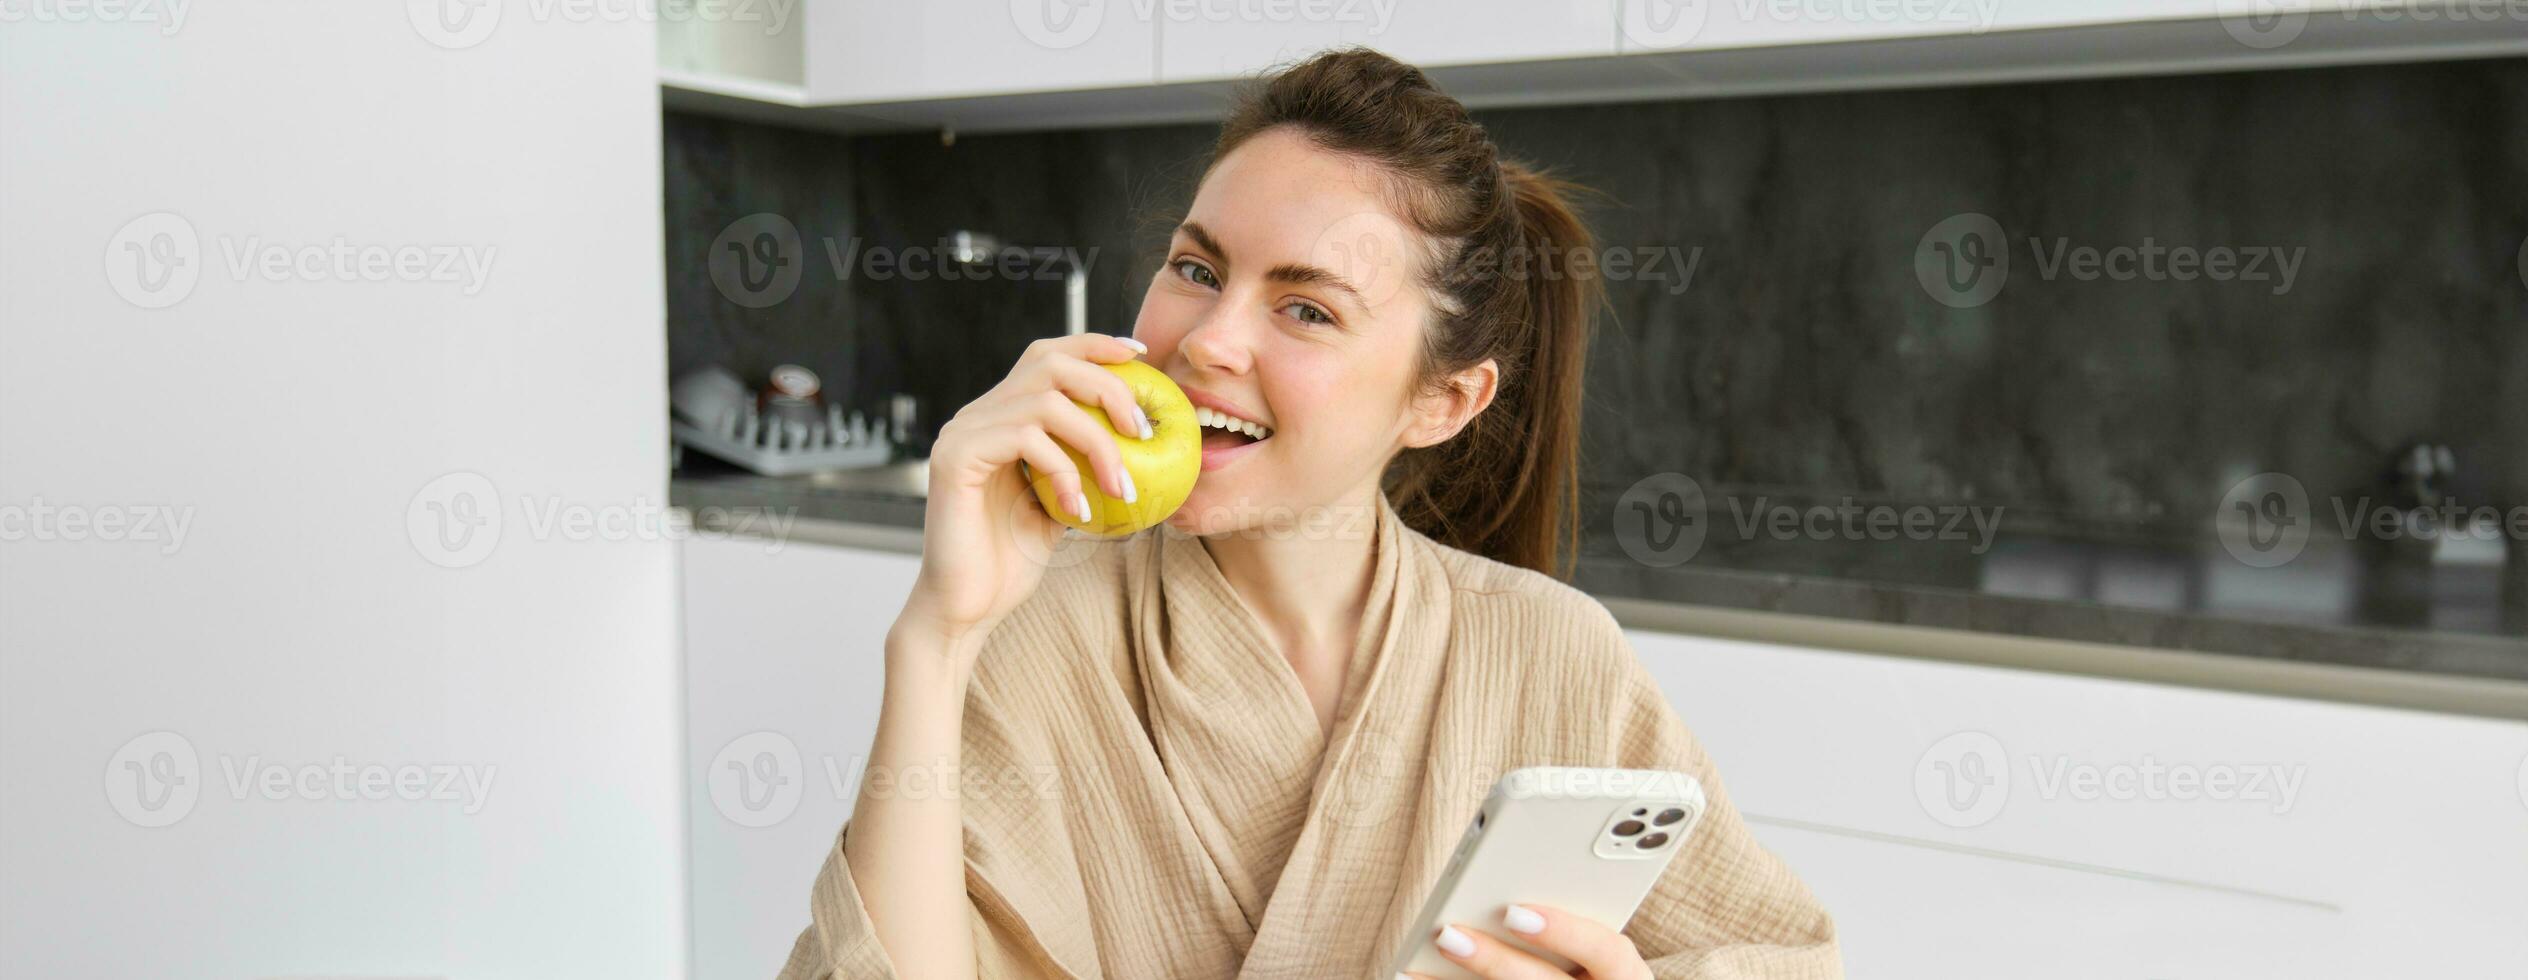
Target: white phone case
point(1561, 836)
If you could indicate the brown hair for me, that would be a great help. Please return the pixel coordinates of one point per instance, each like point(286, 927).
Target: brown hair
point(1506, 486)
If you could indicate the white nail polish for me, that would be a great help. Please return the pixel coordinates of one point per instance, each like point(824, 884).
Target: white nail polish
point(1079, 505)
point(1132, 494)
point(1520, 918)
point(1146, 431)
point(1456, 943)
point(1134, 344)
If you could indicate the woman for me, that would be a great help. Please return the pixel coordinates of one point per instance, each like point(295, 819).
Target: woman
point(1244, 744)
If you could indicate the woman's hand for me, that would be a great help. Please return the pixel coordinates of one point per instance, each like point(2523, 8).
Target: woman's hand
point(1603, 953)
point(985, 539)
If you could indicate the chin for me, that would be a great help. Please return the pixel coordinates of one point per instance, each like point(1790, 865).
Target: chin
point(1214, 507)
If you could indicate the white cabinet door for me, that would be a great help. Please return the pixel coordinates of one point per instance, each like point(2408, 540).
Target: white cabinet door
point(868, 51)
point(783, 647)
point(1209, 40)
point(1971, 822)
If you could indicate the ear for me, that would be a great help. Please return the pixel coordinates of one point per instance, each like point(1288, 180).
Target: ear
point(1438, 416)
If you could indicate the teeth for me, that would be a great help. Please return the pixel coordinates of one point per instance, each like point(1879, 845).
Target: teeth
point(1219, 420)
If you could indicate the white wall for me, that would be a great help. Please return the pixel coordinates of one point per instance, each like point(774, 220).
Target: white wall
point(294, 425)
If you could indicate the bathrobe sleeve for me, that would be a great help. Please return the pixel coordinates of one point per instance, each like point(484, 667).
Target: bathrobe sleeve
point(1726, 908)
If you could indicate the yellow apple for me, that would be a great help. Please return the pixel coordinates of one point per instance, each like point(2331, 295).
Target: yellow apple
point(1163, 467)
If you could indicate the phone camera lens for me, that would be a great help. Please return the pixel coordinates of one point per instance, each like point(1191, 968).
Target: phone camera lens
point(1628, 828)
point(1649, 841)
point(1669, 816)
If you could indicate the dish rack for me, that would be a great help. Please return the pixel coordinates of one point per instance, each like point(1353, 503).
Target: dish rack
point(786, 444)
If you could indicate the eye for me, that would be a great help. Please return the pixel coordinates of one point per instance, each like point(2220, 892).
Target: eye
point(1309, 313)
point(1196, 273)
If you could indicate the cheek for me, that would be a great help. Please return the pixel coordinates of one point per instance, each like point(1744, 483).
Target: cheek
point(1331, 398)
point(1165, 319)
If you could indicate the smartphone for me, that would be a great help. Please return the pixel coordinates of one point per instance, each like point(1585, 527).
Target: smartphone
point(1587, 841)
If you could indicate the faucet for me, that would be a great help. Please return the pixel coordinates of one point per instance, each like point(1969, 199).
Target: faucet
point(976, 248)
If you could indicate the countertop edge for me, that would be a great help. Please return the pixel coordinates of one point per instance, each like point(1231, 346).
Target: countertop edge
point(2410, 690)
point(2376, 687)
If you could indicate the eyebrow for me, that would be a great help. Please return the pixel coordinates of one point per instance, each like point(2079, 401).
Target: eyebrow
point(1294, 273)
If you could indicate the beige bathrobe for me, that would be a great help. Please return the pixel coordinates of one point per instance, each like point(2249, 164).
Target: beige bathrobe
point(1148, 795)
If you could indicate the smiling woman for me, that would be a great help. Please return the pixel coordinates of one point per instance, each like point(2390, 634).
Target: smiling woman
point(1243, 743)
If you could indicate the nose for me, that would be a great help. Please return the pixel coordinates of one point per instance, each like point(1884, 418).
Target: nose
point(1218, 344)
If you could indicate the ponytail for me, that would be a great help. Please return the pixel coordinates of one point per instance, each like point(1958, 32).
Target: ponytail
point(1507, 486)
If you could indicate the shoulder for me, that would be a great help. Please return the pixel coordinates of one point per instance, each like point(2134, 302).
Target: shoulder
point(1540, 611)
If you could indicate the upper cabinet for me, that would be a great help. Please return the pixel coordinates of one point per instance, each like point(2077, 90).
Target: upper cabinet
point(1213, 40)
point(1044, 64)
point(884, 51)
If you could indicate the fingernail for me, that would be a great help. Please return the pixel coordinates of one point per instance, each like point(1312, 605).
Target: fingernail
point(1456, 943)
point(1079, 505)
point(1134, 344)
point(1520, 918)
point(1145, 421)
point(1131, 494)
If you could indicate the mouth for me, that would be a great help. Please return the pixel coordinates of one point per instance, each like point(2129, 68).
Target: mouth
point(1227, 437)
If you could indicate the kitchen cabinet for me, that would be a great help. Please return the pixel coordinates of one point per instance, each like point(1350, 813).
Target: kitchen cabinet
point(883, 52)
point(783, 647)
point(1973, 821)
point(979, 65)
point(1208, 43)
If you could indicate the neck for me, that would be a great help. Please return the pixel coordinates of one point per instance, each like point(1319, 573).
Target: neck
point(1309, 582)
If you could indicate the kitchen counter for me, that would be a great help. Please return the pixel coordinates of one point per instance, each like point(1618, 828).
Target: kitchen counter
point(2341, 621)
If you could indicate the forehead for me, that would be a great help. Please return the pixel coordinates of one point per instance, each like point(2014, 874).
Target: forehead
point(1279, 193)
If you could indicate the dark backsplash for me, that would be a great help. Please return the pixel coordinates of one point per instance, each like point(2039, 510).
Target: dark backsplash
point(1804, 356)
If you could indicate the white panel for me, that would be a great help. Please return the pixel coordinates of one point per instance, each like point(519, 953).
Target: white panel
point(864, 51)
point(1480, 31)
point(1227, 39)
point(783, 664)
point(296, 413)
point(2400, 850)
